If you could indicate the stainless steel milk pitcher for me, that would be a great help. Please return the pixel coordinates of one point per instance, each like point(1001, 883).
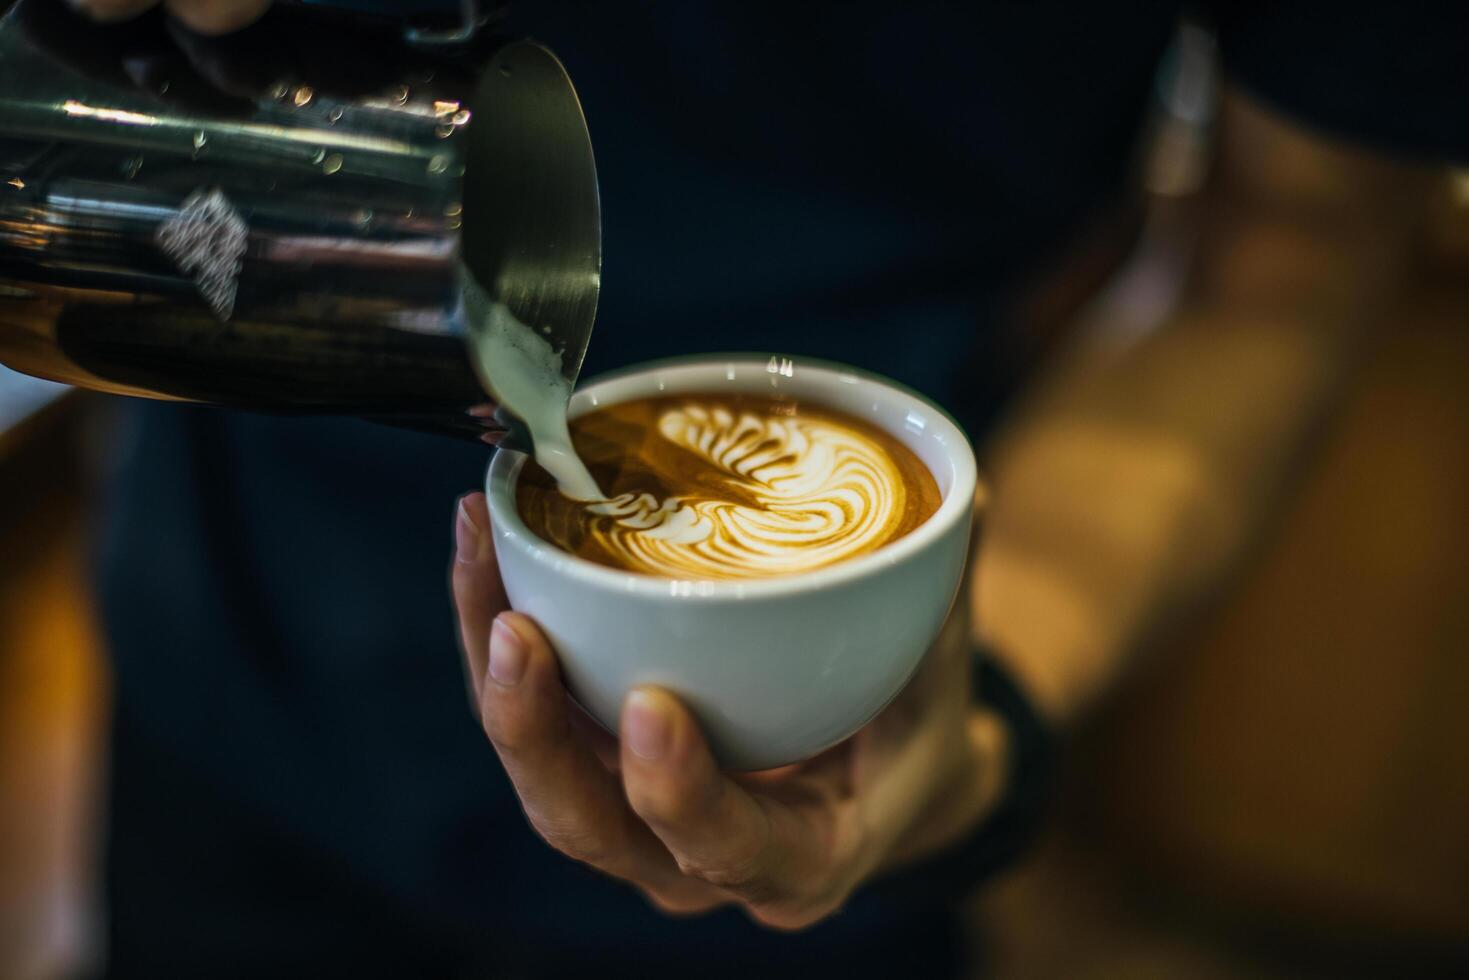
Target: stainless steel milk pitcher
point(282, 219)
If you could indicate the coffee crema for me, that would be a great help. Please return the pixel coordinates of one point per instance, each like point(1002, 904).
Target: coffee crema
point(725, 486)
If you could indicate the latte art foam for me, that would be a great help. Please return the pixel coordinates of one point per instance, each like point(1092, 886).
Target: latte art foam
point(720, 488)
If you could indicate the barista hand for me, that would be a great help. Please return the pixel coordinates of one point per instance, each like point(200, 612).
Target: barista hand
point(789, 845)
point(202, 16)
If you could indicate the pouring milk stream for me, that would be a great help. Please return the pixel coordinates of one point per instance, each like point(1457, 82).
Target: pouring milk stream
point(525, 372)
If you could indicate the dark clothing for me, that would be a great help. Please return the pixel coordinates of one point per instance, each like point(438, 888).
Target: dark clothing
point(298, 785)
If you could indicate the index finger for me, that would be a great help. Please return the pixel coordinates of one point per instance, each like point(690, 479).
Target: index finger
point(479, 594)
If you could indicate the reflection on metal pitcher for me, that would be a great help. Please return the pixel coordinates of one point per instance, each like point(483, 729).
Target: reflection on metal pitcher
point(207, 239)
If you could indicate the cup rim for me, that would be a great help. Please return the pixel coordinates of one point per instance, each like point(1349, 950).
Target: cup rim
point(505, 466)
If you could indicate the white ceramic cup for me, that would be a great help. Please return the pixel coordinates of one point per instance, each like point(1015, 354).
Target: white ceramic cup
point(775, 669)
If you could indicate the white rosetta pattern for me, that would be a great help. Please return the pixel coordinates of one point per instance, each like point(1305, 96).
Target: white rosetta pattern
point(207, 239)
point(825, 492)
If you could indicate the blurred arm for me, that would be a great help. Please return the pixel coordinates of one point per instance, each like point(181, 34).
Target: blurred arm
point(1133, 480)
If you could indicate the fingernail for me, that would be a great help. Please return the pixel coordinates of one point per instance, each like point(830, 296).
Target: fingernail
point(645, 726)
point(467, 535)
point(507, 655)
